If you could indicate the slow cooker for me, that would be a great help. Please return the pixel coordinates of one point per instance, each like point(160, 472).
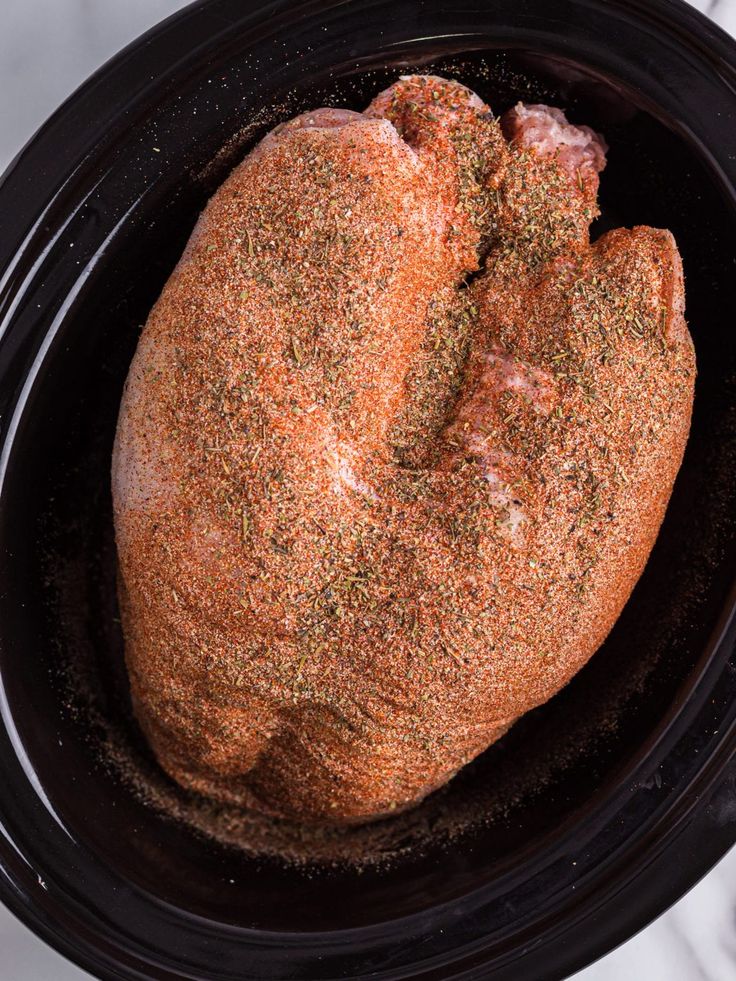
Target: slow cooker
point(599, 809)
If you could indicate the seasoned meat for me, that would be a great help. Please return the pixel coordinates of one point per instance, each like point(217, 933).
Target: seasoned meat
point(394, 448)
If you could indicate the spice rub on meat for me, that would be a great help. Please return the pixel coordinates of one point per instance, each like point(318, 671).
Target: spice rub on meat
point(394, 448)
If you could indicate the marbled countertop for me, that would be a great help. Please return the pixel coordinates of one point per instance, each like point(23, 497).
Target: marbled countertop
point(47, 47)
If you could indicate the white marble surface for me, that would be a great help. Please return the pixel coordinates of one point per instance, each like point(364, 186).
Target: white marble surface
point(47, 47)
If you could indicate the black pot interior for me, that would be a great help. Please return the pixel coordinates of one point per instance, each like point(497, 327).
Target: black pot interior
point(58, 620)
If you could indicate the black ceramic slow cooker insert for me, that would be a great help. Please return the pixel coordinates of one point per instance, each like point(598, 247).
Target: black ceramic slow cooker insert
point(638, 797)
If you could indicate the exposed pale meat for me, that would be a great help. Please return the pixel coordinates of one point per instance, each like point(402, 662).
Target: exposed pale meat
point(547, 130)
point(394, 448)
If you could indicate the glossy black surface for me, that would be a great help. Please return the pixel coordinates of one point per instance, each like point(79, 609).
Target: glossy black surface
point(639, 804)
